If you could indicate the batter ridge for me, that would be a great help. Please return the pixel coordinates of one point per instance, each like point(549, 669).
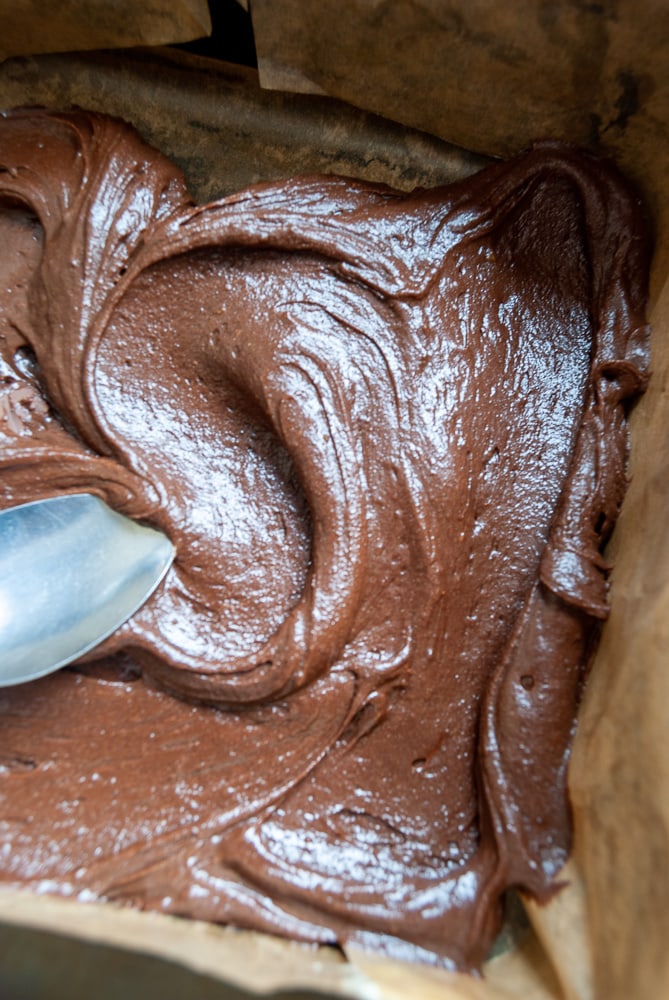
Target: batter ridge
point(387, 435)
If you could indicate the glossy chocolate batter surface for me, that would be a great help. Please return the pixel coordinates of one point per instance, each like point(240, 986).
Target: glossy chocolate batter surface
point(386, 434)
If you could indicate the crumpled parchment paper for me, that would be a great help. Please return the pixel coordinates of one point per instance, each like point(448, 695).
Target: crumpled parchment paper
point(29, 26)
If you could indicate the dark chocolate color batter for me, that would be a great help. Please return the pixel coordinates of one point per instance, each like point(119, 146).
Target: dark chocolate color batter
point(386, 434)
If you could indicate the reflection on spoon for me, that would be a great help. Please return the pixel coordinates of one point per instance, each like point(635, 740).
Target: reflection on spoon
point(71, 572)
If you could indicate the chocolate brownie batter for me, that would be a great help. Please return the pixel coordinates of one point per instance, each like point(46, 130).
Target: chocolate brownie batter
point(386, 434)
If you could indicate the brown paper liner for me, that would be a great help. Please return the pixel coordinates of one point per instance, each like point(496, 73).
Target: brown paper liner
point(74, 25)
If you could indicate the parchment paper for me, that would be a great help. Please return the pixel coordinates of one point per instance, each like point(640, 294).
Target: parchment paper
point(484, 74)
point(606, 934)
point(30, 26)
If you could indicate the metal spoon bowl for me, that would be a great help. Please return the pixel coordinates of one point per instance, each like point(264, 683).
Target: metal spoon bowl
point(71, 572)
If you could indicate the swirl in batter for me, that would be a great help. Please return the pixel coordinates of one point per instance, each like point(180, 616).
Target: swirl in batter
point(387, 435)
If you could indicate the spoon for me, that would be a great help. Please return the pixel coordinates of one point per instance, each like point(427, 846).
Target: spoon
point(71, 572)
